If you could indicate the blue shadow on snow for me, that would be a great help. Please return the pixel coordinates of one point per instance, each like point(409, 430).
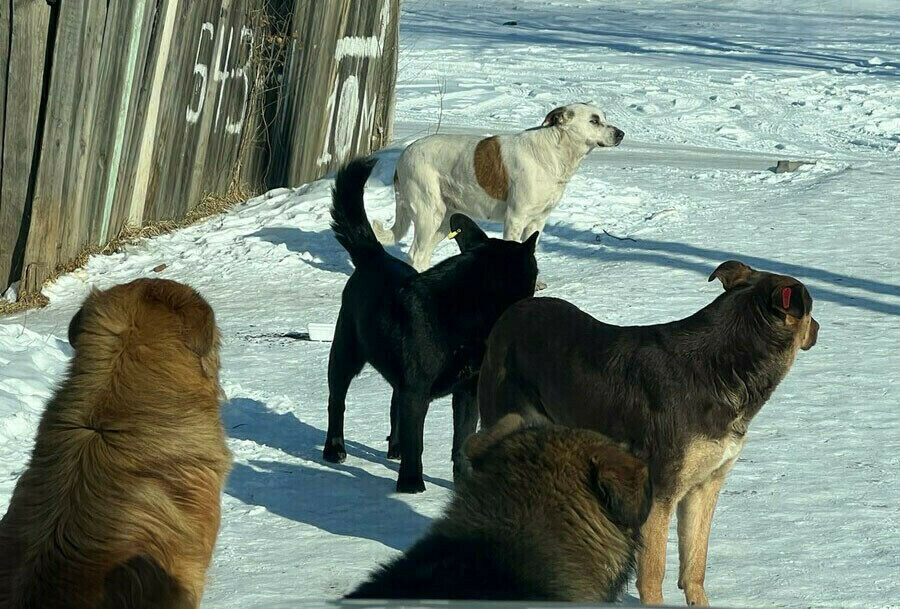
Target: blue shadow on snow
point(341, 499)
point(667, 253)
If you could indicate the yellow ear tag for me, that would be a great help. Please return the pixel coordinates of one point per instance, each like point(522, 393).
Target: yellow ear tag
point(452, 234)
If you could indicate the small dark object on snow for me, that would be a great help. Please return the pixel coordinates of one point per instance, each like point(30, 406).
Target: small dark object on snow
point(160, 267)
point(511, 23)
point(790, 166)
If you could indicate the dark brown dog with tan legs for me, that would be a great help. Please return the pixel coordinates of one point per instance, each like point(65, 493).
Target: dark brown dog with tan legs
point(682, 394)
point(119, 506)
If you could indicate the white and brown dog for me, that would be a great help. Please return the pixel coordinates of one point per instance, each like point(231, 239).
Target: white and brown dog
point(517, 178)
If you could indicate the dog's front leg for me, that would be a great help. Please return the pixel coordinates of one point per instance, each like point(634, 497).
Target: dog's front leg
point(465, 420)
point(651, 567)
point(695, 512)
point(411, 410)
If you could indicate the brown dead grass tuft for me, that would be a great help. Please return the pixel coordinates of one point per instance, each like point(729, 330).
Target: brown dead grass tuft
point(211, 205)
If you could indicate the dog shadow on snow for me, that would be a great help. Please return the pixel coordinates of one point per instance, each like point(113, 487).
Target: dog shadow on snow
point(335, 497)
point(326, 253)
point(831, 286)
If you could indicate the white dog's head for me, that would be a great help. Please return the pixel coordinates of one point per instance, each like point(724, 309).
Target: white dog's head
point(586, 123)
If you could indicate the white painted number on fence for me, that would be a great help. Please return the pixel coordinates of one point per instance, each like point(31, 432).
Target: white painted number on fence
point(202, 71)
point(347, 106)
point(222, 75)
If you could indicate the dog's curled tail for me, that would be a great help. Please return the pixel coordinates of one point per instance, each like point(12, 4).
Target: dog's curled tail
point(402, 219)
point(348, 213)
point(141, 583)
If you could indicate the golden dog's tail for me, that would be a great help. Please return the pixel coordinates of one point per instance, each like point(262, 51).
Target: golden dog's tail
point(141, 583)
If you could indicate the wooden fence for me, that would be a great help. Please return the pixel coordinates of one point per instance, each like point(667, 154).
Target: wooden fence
point(132, 111)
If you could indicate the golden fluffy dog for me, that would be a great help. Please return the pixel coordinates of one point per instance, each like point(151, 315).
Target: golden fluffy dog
point(119, 506)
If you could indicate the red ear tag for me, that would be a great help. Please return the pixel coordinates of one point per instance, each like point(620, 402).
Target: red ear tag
point(786, 298)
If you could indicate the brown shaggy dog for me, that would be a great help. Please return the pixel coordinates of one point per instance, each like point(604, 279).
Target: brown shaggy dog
point(119, 506)
point(546, 513)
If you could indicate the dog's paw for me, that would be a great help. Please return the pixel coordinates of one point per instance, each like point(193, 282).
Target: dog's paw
point(410, 485)
point(335, 453)
point(539, 285)
point(695, 595)
point(393, 451)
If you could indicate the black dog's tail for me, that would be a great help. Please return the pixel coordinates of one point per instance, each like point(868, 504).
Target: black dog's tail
point(348, 214)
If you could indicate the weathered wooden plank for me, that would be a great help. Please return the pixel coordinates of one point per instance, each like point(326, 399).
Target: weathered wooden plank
point(24, 76)
point(382, 131)
point(184, 108)
point(199, 139)
point(58, 210)
point(136, 180)
point(88, 125)
point(5, 34)
point(119, 61)
point(218, 155)
point(125, 56)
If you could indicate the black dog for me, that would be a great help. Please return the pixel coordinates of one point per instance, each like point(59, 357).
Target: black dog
point(424, 333)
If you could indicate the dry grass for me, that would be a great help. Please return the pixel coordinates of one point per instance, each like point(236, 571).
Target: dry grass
point(211, 205)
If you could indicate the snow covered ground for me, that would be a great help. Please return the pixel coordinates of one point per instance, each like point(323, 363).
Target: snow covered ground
point(710, 95)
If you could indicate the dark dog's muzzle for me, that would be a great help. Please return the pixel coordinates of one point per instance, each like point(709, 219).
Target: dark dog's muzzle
point(811, 336)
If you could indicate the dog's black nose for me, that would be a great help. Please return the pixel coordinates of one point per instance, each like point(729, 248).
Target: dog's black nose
point(619, 134)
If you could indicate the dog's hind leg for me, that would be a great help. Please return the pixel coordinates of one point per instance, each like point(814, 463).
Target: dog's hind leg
point(402, 218)
point(344, 362)
point(412, 406)
point(429, 212)
point(513, 227)
point(465, 420)
point(423, 247)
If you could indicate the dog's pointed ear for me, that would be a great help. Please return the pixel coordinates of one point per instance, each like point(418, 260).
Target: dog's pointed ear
point(76, 325)
point(792, 299)
point(465, 232)
point(621, 482)
point(732, 274)
point(478, 444)
point(558, 117)
point(531, 242)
